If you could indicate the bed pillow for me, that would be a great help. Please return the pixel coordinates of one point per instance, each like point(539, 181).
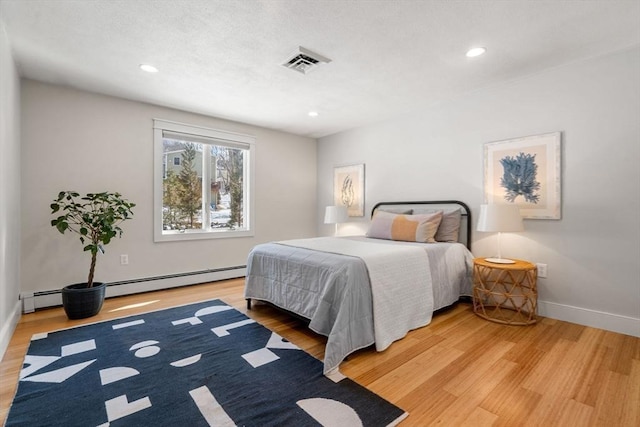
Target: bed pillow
point(403, 211)
point(449, 228)
point(407, 228)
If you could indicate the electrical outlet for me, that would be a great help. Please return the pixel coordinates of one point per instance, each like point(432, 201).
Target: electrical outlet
point(124, 259)
point(542, 270)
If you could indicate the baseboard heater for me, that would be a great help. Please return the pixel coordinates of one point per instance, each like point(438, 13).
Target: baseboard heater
point(32, 301)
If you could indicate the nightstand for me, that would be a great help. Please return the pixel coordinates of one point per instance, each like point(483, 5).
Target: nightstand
point(505, 293)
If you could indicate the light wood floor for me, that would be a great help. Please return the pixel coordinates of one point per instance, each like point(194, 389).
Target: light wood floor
point(460, 370)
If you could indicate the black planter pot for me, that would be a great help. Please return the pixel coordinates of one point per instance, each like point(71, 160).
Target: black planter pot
point(80, 302)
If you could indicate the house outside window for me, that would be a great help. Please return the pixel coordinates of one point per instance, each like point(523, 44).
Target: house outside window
point(203, 182)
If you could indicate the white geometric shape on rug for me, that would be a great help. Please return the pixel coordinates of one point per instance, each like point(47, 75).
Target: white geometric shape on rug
point(120, 407)
point(202, 312)
point(260, 357)
point(35, 363)
point(223, 331)
point(211, 310)
point(186, 361)
point(210, 409)
point(330, 413)
point(39, 336)
point(335, 375)
point(143, 344)
point(59, 375)
point(276, 341)
point(79, 347)
point(128, 324)
point(145, 349)
point(190, 320)
point(147, 352)
point(118, 373)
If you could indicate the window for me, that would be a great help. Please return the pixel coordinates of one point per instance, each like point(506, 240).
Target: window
point(202, 183)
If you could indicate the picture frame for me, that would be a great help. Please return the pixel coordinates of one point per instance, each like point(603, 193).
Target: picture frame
point(348, 188)
point(525, 171)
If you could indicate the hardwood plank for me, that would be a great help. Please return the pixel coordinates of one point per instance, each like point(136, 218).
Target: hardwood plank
point(516, 406)
point(509, 397)
point(616, 402)
point(487, 358)
point(587, 385)
point(396, 358)
point(411, 375)
point(574, 413)
point(625, 349)
point(459, 370)
point(630, 412)
point(424, 404)
point(550, 376)
point(479, 418)
point(470, 399)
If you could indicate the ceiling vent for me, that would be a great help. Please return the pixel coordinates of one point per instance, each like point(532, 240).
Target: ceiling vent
point(304, 61)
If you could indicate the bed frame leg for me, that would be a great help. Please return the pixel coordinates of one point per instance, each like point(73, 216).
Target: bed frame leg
point(248, 303)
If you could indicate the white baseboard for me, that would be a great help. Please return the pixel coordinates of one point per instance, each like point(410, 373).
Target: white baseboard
point(9, 326)
point(595, 319)
point(53, 298)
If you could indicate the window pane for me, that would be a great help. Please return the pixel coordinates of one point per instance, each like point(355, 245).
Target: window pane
point(230, 185)
point(182, 186)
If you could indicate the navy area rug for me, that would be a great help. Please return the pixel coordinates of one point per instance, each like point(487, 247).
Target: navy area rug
point(203, 364)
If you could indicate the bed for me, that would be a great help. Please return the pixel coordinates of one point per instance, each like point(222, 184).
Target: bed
point(368, 290)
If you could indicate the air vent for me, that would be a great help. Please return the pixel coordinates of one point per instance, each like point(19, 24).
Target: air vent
point(304, 61)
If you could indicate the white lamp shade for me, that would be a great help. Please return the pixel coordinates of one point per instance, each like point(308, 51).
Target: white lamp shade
point(335, 214)
point(500, 218)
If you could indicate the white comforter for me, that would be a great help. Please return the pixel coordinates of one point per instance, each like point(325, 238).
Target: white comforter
point(400, 279)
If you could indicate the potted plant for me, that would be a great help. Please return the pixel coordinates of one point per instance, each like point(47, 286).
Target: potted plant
point(96, 218)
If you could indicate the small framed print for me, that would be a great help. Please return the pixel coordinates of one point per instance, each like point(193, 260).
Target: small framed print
point(348, 188)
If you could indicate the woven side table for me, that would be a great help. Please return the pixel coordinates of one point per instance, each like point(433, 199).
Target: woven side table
point(505, 293)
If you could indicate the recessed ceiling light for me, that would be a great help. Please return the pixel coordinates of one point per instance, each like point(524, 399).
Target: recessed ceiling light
point(476, 51)
point(148, 68)
point(313, 114)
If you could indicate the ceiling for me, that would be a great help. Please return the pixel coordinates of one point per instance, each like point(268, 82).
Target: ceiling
point(223, 58)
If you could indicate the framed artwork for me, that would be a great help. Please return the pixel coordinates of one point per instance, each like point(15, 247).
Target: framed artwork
point(348, 188)
point(525, 171)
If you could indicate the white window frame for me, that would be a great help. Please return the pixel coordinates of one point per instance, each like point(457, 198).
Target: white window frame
point(207, 136)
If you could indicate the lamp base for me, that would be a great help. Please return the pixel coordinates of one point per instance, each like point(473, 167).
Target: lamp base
point(500, 260)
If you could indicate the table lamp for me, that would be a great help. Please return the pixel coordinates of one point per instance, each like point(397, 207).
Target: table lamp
point(335, 215)
point(500, 218)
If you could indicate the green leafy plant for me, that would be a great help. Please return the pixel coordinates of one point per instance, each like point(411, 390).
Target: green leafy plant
point(96, 217)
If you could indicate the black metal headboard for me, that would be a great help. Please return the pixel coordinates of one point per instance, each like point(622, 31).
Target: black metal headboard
point(465, 225)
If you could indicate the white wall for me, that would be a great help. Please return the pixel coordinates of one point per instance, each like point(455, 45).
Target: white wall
point(593, 253)
point(9, 192)
point(89, 142)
